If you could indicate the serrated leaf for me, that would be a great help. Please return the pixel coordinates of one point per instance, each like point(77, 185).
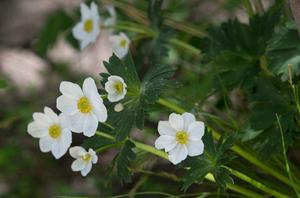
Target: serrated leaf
point(123, 159)
point(56, 24)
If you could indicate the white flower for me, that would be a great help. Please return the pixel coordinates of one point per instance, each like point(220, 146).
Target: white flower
point(88, 29)
point(116, 88)
point(120, 44)
point(52, 130)
point(110, 21)
point(83, 107)
point(83, 160)
point(180, 136)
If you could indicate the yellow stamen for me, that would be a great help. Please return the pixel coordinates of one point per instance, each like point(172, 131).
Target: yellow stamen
point(87, 157)
point(119, 87)
point(123, 43)
point(88, 25)
point(54, 131)
point(84, 105)
point(181, 137)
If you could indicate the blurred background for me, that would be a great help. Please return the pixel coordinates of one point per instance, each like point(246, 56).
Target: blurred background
point(33, 83)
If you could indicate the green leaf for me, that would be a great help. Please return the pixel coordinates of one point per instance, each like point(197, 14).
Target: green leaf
point(55, 25)
point(212, 161)
point(123, 159)
point(96, 142)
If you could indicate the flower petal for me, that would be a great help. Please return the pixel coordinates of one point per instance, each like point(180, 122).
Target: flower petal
point(188, 118)
point(84, 11)
point(46, 144)
point(78, 31)
point(90, 125)
point(195, 148)
point(89, 87)
point(164, 128)
point(165, 142)
point(196, 130)
point(70, 89)
point(94, 11)
point(78, 165)
point(178, 154)
point(86, 169)
point(115, 97)
point(42, 119)
point(176, 121)
point(77, 151)
point(77, 122)
point(36, 130)
point(85, 42)
point(66, 105)
point(50, 113)
point(99, 108)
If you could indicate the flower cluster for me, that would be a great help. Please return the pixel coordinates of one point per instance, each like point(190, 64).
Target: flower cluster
point(89, 28)
point(81, 111)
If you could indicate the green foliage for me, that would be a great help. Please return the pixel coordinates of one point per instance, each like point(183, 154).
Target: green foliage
point(55, 25)
point(212, 161)
point(140, 95)
point(3, 84)
point(123, 159)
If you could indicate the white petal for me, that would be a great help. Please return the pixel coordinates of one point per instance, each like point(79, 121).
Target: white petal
point(196, 130)
point(85, 42)
point(195, 148)
point(78, 165)
point(67, 137)
point(50, 113)
point(77, 151)
point(99, 108)
point(86, 169)
point(164, 128)
point(90, 125)
point(94, 156)
point(176, 121)
point(37, 131)
point(59, 148)
point(178, 154)
point(42, 119)
point(109, 87)
point(85, 11)
point(64, 121)
point(77, 122)
point(70, 89)
point(46, 144)
point(94, 34)
point(188, 118)
point(165, 142)
point(115, 97)
point(94, 11)
point(78, 31)
point(66, 105)
point(89, 87)
point(114, 78)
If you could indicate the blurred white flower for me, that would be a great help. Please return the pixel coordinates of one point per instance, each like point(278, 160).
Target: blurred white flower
point(116, 88)
point(120, 44)
point(84, 107)
point(52, 130)
point(110, 21)
point(88, 29)
point(84, 159)
point(180, 136)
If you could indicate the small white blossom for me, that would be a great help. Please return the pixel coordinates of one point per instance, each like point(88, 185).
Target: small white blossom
point(180, 136)
point(52, 130)
point(120, 44)
point(116, 88)
point(119, 107)
point(111, 20)
point(88, 29)
point(83, 159)
point(84, 107)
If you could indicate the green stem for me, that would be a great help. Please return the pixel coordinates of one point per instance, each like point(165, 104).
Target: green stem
point(209, 176)
point(237, 149)
point(248, 7)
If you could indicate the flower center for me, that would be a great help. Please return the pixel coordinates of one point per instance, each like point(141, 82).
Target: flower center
point(181, 137)
point(88, 25)
point(84, 105)
point(119, 87)
point(123, 43)
point(54, 131)
point(87, 157)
